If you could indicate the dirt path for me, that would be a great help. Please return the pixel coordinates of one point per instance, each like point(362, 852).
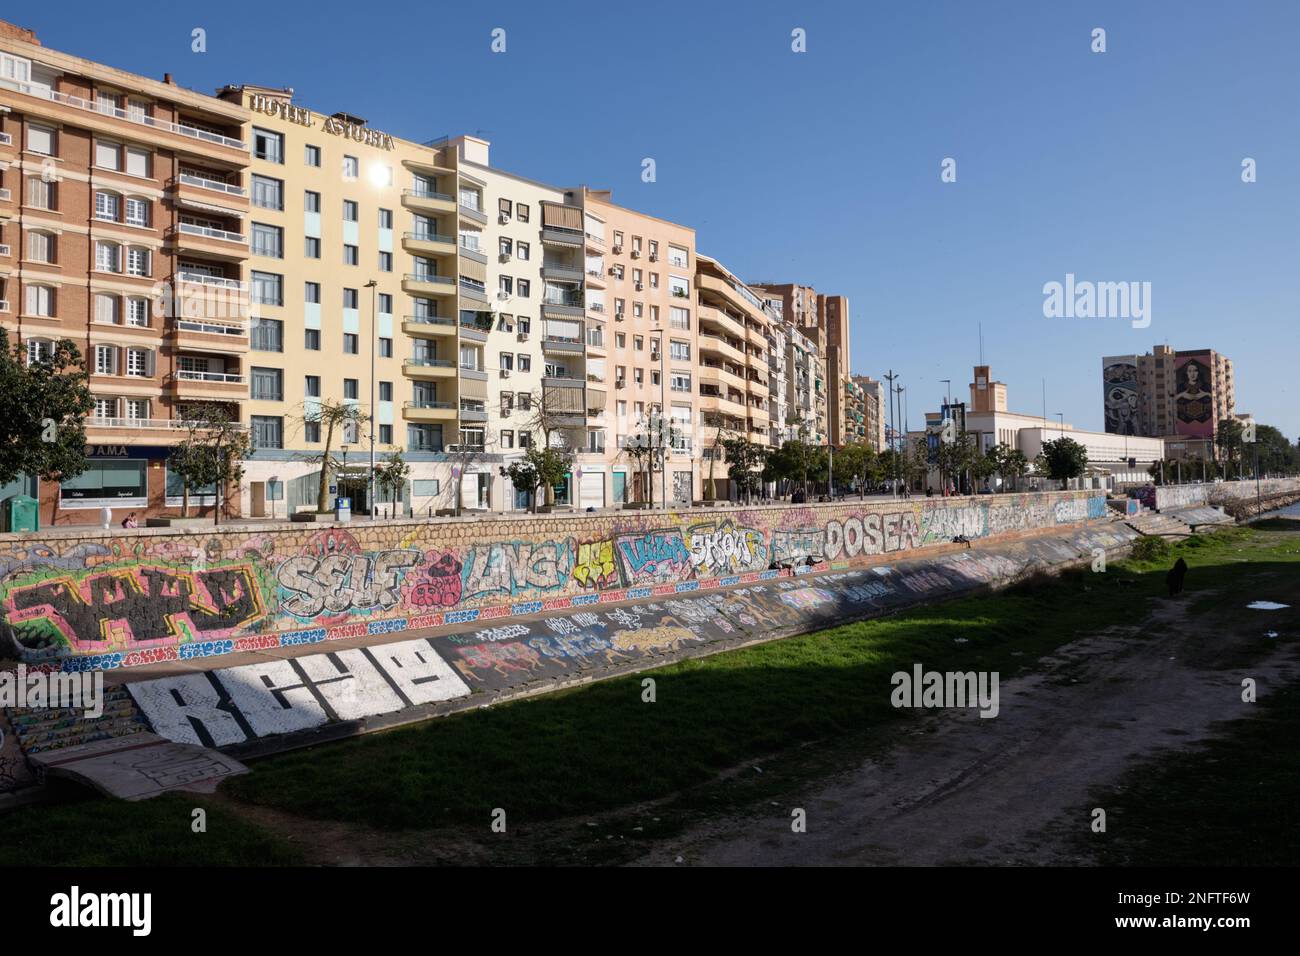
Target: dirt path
point(966, 790)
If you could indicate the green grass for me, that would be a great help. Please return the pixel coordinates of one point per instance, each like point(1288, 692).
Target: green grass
point(600, 748)
point(99, 832)
point(1234, 801)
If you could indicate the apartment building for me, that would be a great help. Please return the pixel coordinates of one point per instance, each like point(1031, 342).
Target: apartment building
point(833, 312)
point(1167, 392)
point(873, 410)
point(779, 371)
point(733, 371)
point(643, 343)
point(122, 227)
point(803, 308)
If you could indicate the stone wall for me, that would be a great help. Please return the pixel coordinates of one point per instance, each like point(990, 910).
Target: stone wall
point(108, 599)
point(1222, 493)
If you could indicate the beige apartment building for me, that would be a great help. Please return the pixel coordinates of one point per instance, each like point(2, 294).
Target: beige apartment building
point(873, 410)
point(802, 308)
point(1167, 392)
point(123, 203)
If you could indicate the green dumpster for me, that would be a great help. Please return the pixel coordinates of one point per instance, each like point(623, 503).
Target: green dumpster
point(20, 514)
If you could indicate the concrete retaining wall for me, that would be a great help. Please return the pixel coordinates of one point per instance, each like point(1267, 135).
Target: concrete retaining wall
point(90, 600)
point(1221, 493)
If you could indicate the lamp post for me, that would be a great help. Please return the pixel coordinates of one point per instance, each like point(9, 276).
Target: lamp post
point(372, 285)
point(273, 480)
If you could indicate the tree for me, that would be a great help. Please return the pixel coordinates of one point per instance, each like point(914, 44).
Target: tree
point(212, 453)
point(390, 477)
point(334, 418)
point(1009, 462)
point(956, 457)
point(43, 406)
point(540, 467)
point(559, 420)
point(745, 460)
point(648, 445)
point(1062, 459)
point(858, 462)
point(719, 429)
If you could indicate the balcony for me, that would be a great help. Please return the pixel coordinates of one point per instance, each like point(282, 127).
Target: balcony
point(214, 385)
point(143, 428)
point(473, 254)
point(476, 216)
point(208, 194)
point(474, 293)
point(428, 410)
point(720, 403)
point(473, 413)
point(475, 331)
point(562, 273)
point(720, 346)
point(211, 335)
point(732, 327)
point(426, 200)
point(188, 138)
point(559, 236)
point(596, 279)
point(558, 343)
point(428, 244)
point(188, 237)
point(422, 367)
point(428, 326)
point(564, 305)
point(417, 283)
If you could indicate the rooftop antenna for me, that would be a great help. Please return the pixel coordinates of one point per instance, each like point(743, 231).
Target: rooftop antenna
point(981, 325)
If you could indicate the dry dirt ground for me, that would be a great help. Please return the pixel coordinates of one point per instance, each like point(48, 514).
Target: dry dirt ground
point(958, 789)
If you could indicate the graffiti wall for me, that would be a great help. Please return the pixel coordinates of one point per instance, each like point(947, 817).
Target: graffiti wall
point(1120, 379)
point(1222, 492)
point(1193, 398)
point(89, 600)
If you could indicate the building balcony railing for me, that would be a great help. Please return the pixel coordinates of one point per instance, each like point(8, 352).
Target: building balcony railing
point(156, 424)
point(216, 282)
point(130, 116)
point(223, 378)
point(470, 413)
point(215, 185)
point(474, 215)
point(231, 327)
point(207, 232)
point(425, 362)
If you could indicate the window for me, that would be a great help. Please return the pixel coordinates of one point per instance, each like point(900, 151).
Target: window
point(521, 212)
point(350, 343)
point(385, 262)
point(349, 298)
point(311, 155)
point(385, 306)
point(267, 335)
point(267, 384)
point(106, 408)
point(268, 241)
point(525, 403)
point(40, 247)
point(350, 388)
point(385, 347)
point(137, 261)
point(311, 247)
point(108, 155)
point(138, 362)
point(349, 210)
point(507, 438)
point(679, 318)
point(680, 382)
point(385, 218)
point(680, 351)
point(525, 439)
point(311, 432)
point(137, 161)
point(385, 434)
point(311, 292)
point(107, 206)
point(679, 287)
point(311, 201)
point(385, 391)
point(106, 309)
point(524, 288)
point(350, 255)
point(268, 288)
point(312, 387)
point(525, 324)
point(270, 147)
point(507, 362)
point(105, 360)
point(638, 342)
point(137, 409)
point(505, 284)
point(137, 212)
point(40, 139)
point(507, 404)
point(268, 431)
point(522, 251)
point(678, 257)
point(40, 194)
point(39, 350)
point(137, 312)
point(311, 340)
point(351, 167)
point(268, 193)
point(40, 300)
point(107, 257)
point(525, 363)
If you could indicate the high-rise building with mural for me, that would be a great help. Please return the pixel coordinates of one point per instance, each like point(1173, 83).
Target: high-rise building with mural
point(1169, 393)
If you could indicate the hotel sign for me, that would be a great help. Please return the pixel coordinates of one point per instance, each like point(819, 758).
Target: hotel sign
point(283, 109)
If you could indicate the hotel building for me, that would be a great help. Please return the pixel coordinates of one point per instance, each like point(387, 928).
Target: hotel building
point(123, 207)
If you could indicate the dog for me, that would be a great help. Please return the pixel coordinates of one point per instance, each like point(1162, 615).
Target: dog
point(1174, 579)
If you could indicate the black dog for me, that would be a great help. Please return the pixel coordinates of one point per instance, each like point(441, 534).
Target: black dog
point(1174, 579)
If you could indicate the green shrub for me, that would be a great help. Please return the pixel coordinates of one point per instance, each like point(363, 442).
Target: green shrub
point(1150, 549)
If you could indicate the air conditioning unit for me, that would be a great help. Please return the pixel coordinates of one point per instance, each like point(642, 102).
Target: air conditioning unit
point(636, 253)
point(523, 336)
point(503, 296)
point(639, 287)
point(504, 257)
point(503, 218)
point(618, 316)
point(618, 250)
point(613, 270)
point(654, 356)
point(654, 257)
point(505, 373)
point(620, 383)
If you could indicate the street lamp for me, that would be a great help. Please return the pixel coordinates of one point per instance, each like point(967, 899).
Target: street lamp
point(274, 480)
point(372, 285)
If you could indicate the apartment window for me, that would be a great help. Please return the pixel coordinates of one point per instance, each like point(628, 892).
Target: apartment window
point(679, 318)
point(385, 391)
point(350, 343)
point(311, 432)
point(654, 377)
point(137, 409)
point(108, 206)
point(525, 439)
point(311, 292)
point(638, 376)
point(40, 139)
point(137, 261)
point(311, 155)
point(680, 351)
point(505, 284)
point(679, 286)
point(137, 162)
point(268, 431)
point(267, 384)
point(349, 298)
point(654, 250)
point(654, 280)
point(106, 408)
point(618, 240)
point(267, 335)
point(311, 247)
point(40, 194)
point(311, 201)
point(108, 155)
point(40, 300)
point(525, 363)
point(638, 343)
point(106, 309)
point(524, 403)
point(507, 404)
point(40, 247)
point(268, 146)
point(350, 388)
point(385, 305)
point(137, 312)
point(351, 168)
point(311, 340)
point(385, 218)
point(385, 434)
point(506, 247)
point(521, 212)
point(268, 241)
point(349, 210)
point(105, 360)
point(620, 339)
point(267, 288)
point(268, 193)
point(507, 438)
point(525, 324)
point(137, 212)
point(138, 362)
point(312, 386)
point(524, 288)
point(507, 362)
point(350, 255)
point(680, 383)
point(522, 251)
point(385, 347)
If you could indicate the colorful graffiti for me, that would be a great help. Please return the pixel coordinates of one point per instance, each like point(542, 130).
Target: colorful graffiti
point(94, 600)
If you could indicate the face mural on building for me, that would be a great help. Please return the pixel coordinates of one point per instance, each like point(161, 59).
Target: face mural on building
point(1193, 401)
point(1121, 398)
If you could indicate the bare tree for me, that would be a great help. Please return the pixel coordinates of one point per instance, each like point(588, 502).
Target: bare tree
point(560, 417)
point(335, 419)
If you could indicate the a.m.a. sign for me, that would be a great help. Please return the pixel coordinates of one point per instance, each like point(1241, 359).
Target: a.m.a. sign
point(127, 451)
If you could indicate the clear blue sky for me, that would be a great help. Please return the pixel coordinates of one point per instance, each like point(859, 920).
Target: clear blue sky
point(824, 167)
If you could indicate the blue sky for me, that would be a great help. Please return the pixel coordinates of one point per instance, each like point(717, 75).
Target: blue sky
point(823, 167)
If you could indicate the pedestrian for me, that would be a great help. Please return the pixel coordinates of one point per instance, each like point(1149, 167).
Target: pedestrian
point(130, 522)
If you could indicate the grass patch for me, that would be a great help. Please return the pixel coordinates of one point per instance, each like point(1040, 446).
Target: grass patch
point(1234, 801)
point(93, 831)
